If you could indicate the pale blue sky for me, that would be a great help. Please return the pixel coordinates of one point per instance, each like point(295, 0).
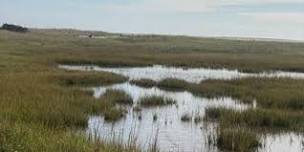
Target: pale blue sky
point(242, 18)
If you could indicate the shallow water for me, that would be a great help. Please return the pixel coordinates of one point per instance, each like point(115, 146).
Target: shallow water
point(284, 142)
point(159, 72)
point(168, 130)
point(172, 134)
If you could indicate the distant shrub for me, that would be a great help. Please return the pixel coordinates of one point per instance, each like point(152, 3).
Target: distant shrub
point(14, 28)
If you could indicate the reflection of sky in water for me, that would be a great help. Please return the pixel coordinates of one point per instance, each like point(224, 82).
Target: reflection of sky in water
point(173, 134)
point(158, 72)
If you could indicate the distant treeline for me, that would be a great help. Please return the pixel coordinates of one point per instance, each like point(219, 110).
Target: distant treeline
point(14, 28)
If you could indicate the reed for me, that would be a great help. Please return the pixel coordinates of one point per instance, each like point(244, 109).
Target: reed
point(152, 101)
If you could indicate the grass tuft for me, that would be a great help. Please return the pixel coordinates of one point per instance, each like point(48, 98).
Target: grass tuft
point(152, 101)
point(118, 96)
point(89, 78)
point(238, 140)
point(147, 83)
point(186, 118)
point(113, 114)
point(257, 118)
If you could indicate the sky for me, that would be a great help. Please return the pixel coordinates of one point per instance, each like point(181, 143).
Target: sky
point(280, 19)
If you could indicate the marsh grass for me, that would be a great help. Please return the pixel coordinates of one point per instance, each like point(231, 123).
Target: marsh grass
point(146, 83)
point(239, 140)
point(152, 101)
point(41, 106)
point(257, 118)
point(118, 96)
point(186, 118)
point(278, 93)
point(89, 78)
point(214, 114)
point(113, 114)
point(155, 117)
point(40, 114)
point(109, 104)
point(172, 84)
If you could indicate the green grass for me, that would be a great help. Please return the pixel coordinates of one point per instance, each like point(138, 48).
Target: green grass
point(46, 112)
point(167, 84)
point(239, 140)
point(118, 96)
point(147, 83)
point(172, 84)
point(113, 114)
point(89, 78)
point(257, 118)
point(152, 101)
point(42, 106)
point(34, 137)
point(107, 104)
point(281, 93)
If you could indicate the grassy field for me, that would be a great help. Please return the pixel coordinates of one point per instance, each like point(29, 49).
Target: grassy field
point(43, 107)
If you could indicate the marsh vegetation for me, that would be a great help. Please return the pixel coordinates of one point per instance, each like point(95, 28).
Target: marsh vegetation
point(44, 108)
point(152, 101)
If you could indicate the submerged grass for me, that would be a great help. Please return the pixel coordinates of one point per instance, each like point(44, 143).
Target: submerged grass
point(186, 118)
point(152, 101)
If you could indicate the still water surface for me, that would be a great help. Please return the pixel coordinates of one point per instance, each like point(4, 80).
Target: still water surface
point(171, 133)
point(168, 130)
point(159, 72)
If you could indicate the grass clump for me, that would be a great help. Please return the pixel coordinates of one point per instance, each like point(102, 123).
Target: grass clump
point(173, 84)
point(33, 137)
point(151, 101)
point(108, 104)
point(118, 96)
point(213, 114)
point(113, 114)
point(147, 83)
point(239, 140)
point(186, 118)
point(89, 78)
point(257, 118)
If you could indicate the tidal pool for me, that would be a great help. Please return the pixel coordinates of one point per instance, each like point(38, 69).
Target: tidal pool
point(159, 72)
point(169, 131)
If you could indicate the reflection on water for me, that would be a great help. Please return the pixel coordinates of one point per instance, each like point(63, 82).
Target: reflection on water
point(158, 72)
point(172, 134)
point(285, 142)
point(168, 130)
